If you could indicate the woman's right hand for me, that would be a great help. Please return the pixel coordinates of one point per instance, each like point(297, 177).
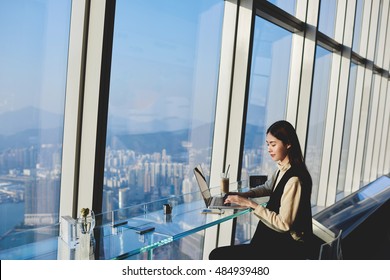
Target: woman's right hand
point(241, 200)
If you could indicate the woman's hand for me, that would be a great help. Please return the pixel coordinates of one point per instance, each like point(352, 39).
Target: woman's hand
point(240, 200)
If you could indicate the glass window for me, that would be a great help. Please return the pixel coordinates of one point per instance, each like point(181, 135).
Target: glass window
point(270, 70)
point(33, 63)
point(327, 18)
point(268, 89)
point(347, 128)
point(318, 108)
point(287, 5)
point(163, 91)
point(357, 30)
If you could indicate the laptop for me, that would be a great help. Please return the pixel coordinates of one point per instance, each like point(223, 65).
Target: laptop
point(212, 202)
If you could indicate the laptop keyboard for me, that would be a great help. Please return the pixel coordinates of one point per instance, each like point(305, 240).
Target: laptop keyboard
point(219, 201)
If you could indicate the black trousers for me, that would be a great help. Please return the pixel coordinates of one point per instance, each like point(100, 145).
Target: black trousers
point(251, 252)
point(266, 244)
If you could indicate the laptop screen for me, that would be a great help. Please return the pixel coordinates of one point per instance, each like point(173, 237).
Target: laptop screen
point(202, 183)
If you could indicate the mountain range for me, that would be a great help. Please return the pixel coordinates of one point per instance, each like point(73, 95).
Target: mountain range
point(28, 118)
point(32, 126)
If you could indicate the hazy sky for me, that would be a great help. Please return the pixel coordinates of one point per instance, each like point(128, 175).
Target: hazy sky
point(163, 67)
point(166, 67)
point(33, 53)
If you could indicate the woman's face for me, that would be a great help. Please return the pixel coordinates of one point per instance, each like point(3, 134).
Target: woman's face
point(276, 149)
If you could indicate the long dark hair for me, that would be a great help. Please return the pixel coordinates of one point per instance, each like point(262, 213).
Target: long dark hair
point(286, 133)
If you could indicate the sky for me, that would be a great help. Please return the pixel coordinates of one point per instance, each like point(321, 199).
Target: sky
point(166, 67)
point(155, 74)
point(33, 75)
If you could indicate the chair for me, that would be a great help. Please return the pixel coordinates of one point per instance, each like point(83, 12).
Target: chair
point(332, 250)
point(257, 180)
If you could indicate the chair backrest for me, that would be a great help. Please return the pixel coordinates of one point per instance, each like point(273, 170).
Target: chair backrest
point(332, 250)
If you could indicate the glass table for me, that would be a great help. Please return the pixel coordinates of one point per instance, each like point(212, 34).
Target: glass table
point(117, 235)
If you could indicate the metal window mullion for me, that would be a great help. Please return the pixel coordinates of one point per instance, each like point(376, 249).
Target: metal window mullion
point(224, 91)
point(357, 105)
point(239, 94)
point(374, 93)
point(371, 129)
point(368, 41)
point(386, 128)
point(365, 28)
point(237, 113)
point(362, 129)
point(328, 189)
point(386, 57)
point(324, 188)
point(294, 78)
point(91, 104)
point(381, 48)
point(296, 67)
point(300, 10)
point(222, 111)
point(307, 71)
point(73, 108)
point(340, 19)
point(373, 31)
point(377, 147)
point(386, 165)
point(341, 102)
point(349, 21)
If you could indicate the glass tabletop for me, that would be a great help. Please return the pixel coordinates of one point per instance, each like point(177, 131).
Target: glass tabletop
point(124, 239)
point(124, 232)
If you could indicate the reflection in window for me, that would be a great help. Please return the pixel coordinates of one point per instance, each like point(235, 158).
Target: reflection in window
point(270, 69)
point(287, 5)
point(358, 26)
point(33, 63)
point(347, 128)
point(318, 108)
point(162, 98)
point(327, 20)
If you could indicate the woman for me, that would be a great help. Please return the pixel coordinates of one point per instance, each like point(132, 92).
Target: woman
point(284, 230)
